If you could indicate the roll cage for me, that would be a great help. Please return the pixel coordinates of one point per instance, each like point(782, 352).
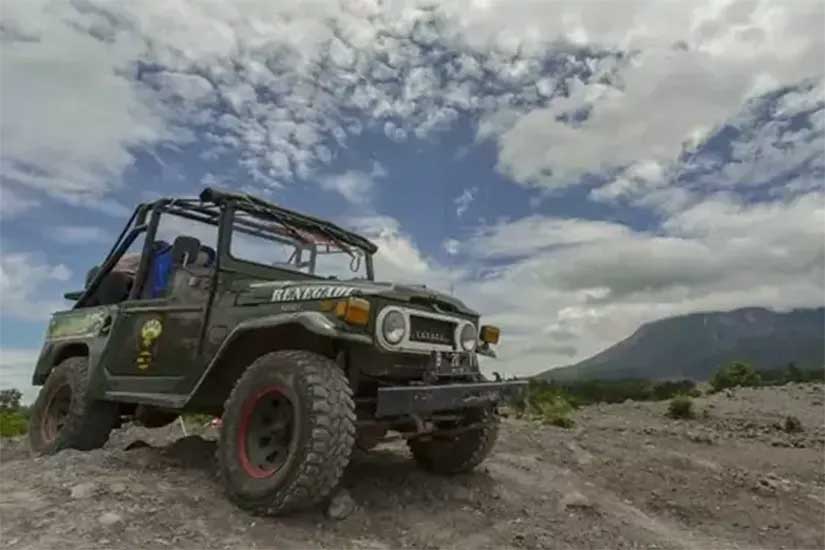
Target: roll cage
point(219, 208)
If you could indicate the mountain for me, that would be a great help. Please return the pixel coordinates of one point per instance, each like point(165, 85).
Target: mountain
point(694, 346)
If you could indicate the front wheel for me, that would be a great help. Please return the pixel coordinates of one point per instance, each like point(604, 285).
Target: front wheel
point(288, 432)
point(63, 417)
point(467, 447)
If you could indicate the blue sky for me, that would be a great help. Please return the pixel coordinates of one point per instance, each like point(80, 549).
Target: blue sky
point(570, 169)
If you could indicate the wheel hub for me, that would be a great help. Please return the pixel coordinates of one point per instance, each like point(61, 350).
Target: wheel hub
point(57, 411)
point(266, 432)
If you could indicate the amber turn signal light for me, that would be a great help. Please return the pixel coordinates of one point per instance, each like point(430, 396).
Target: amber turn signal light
point(355, 311)
point(490, 334)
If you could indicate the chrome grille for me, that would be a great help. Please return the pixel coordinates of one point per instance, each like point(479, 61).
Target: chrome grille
point(432, 331)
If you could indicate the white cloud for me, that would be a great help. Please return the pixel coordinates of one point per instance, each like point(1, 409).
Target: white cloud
point(30, 288)
point(638, 180)
point(71, 117)
point(398, 258)
point(353, 185)
point(452, 246)
point(660, 98)
point(533, 234)
point(464, 200)
point(281, 88)
point(79, 234)
point(14, 204)
point(598, 283)
point(16, 368)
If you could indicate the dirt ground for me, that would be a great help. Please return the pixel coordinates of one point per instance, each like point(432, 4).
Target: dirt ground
point(625, 477)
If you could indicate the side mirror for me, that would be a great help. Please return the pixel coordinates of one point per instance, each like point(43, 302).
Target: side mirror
point(185, 250)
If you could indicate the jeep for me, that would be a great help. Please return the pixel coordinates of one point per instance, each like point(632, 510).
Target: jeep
point(231, 306)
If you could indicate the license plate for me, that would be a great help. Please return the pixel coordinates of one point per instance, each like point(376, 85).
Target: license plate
point(450, 363)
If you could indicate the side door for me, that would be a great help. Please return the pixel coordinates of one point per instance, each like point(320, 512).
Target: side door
point(158, 342)
point(153, 356)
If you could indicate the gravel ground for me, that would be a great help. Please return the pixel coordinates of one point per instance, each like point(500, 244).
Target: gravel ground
point(625, 477)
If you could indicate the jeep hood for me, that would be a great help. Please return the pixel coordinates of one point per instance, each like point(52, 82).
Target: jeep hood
point(261, 291)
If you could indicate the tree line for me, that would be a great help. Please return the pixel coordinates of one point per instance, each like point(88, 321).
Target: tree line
point(553, 401)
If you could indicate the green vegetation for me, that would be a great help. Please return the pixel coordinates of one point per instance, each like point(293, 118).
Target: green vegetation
point(14, 418)
point(554, 402)
point(733, 375)
point(743, 374)
point(13, 423)
point(791, 373)
point(547, 404)
point(10, 399)
point(681, 406)
point(197, 420)
point(587, 392)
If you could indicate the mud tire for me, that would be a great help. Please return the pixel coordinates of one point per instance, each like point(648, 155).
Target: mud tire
point(321, 441)
point(461, 452)
point(86, 424)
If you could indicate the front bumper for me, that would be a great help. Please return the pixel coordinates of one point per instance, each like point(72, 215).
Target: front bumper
point(407, 400)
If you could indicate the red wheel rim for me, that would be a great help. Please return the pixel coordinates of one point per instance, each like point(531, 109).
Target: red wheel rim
point(56, 412)
point(266, 431)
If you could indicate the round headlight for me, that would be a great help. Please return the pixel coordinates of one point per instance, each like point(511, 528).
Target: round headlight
point(468, 337)
point(394, 327)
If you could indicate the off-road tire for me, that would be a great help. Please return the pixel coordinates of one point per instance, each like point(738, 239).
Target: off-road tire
point(460, 452)
point(86, 424)
point(320, 447)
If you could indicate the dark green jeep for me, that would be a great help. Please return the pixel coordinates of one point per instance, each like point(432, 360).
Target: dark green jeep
point(271, 320)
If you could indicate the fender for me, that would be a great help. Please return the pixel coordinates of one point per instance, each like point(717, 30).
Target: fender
point(79, 332)
point(313, 321)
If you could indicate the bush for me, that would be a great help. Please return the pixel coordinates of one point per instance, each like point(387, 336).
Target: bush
point(670, 389)
point(554, 410)
point(792, 425)
point(547, 403)
point(196, 420)
point(734, 374)
point(680, 406)
point(12, 423)
point(790, 373)
point(10, 399)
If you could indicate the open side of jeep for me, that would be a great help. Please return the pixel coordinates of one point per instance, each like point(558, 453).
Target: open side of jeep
point(272, 320)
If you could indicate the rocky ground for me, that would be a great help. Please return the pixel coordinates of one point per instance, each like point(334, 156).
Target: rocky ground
point(625, 477)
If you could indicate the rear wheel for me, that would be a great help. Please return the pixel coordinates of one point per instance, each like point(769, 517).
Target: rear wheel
point(63, 418)
point(288, 431)
point(472, 441)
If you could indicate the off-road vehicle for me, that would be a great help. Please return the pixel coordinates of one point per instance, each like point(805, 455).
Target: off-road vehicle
point(235, 307)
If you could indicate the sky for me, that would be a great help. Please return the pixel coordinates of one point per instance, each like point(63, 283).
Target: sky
point(569, 169)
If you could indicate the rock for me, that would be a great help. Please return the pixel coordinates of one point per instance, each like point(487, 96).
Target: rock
point(341, 505)
point(117, 488)
point(137, 444)
point(574, 499)
point(84, 490)
point(699, 437)
point(108, 519)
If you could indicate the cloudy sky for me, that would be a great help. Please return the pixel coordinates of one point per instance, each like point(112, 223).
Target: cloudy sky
point(571, 169)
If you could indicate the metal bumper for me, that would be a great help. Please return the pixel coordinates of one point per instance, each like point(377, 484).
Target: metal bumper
point(406, 400)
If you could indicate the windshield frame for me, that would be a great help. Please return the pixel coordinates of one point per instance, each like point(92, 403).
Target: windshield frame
point(264, 270)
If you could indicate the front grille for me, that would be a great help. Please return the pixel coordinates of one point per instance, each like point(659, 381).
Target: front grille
point(432, 331)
